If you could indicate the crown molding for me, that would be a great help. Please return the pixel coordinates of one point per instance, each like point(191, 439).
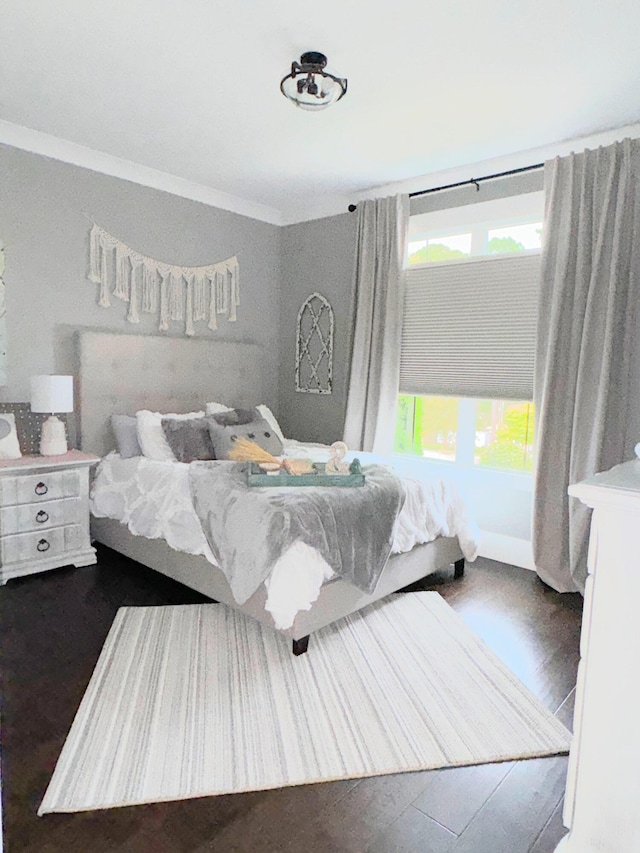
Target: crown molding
point(37, 142)
point(503, 163)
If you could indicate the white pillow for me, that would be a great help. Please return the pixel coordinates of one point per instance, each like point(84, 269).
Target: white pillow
point(9, 447)
point(217, 408)
point(265, 411)
point(151, 437)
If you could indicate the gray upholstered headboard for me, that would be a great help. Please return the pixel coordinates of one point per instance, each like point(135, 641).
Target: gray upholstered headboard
point(120, 374)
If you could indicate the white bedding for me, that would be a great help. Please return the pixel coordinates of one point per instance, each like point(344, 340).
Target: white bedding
point(153, 500)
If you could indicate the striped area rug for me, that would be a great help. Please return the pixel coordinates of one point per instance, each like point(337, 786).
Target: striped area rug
point(197, 700)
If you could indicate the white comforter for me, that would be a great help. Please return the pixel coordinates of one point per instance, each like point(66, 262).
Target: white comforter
point(154, 501)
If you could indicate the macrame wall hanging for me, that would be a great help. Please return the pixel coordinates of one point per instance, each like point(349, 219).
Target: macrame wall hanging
point(314, 346)
point(174, 293)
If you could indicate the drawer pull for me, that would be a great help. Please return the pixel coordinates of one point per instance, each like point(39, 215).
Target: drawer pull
point(42, 516)
point(43, 545)
point(41, 489)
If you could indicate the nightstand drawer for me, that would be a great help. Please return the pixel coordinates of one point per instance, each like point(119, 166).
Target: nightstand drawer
point(40, 544)
point(39, 487)
point(21, 518)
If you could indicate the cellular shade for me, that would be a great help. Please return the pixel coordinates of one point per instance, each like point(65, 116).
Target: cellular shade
point(469, 328)
point(52, 394)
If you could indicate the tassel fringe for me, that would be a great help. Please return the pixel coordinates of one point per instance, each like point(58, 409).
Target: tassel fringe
point(174, 293)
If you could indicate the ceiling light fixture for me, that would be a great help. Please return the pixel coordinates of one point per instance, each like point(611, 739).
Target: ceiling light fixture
point(309, 86)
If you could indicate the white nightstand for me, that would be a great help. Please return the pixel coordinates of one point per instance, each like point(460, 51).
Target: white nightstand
point(44, 513)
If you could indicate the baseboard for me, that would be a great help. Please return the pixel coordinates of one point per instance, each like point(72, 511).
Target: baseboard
point(507, 549)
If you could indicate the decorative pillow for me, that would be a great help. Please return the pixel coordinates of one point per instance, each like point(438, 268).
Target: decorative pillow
point(125, 430)
point(188, 439)
point(265, 412)
point(224, 435)
point(9, 446)
point(151, 436)
point(236, 417)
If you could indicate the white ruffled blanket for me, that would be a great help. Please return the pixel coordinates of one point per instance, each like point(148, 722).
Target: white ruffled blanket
point(153, 499)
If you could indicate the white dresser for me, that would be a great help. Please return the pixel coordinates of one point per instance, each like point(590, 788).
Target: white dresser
point(44, 513)
point(602, 802)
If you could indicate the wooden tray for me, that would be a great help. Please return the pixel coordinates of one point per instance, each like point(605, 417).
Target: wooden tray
point(257, 477)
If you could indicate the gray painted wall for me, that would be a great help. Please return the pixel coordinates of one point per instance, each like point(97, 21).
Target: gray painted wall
point(318, 257)
point(45, 207)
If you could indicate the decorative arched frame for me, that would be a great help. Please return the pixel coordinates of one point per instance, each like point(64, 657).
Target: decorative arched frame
point(314, 346)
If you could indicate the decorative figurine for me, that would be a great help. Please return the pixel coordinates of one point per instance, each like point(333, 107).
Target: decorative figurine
point(335, 465)
point(355, 467)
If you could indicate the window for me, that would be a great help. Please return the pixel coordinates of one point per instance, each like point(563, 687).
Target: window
point(494, 227)
point(437, 249)
point(484, 433)
point(469, 331)
point(427, 426)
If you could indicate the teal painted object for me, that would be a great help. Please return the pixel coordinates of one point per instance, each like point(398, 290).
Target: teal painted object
point(257, 477)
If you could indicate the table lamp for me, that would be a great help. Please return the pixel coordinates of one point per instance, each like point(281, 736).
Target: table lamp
point(52, 394)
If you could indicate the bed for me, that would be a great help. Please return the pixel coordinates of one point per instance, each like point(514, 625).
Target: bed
point(122, 374)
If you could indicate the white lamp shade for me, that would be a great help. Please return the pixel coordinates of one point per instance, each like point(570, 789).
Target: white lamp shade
point(52, 394)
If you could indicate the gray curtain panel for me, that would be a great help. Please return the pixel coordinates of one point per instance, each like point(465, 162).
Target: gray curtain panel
point(377, 317)
point(587, 378)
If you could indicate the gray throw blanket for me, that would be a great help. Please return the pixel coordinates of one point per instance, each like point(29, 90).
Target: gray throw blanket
point(249, 528)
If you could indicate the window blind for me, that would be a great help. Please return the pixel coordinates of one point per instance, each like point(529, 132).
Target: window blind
point(469, 328)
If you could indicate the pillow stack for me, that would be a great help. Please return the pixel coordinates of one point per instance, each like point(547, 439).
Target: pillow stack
point(195, 435)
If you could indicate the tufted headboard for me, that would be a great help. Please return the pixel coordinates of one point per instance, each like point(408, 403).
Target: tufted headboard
point(120, 374)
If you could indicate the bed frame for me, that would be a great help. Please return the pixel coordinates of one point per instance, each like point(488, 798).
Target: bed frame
point(124, 373)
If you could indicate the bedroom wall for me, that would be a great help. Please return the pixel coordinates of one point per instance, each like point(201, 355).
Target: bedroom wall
point(317, 256)
point(45, 212)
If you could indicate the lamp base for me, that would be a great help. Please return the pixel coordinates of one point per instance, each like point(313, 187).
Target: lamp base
point(53, 439)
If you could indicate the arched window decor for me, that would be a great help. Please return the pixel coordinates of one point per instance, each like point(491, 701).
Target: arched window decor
point(314, 346)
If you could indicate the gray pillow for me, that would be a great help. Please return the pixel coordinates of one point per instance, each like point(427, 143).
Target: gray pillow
point(125, 431)
point(236, 417)
point(260, 431)
point(188, 439)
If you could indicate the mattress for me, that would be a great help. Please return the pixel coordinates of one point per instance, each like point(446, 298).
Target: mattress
point(153, 500)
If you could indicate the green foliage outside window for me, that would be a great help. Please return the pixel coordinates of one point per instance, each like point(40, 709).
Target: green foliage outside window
point(434, 252)
point(427, 426)
point(503, 245)
point(511, 435)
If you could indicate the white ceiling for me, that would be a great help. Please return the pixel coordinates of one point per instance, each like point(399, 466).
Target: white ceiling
point(188, 90)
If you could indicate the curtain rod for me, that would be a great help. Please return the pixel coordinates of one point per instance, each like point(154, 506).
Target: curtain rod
point(472, 181)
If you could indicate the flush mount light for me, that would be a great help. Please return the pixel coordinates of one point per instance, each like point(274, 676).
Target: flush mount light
point(309, 86)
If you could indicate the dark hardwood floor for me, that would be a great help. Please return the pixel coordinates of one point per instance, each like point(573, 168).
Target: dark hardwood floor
point(53, 628)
